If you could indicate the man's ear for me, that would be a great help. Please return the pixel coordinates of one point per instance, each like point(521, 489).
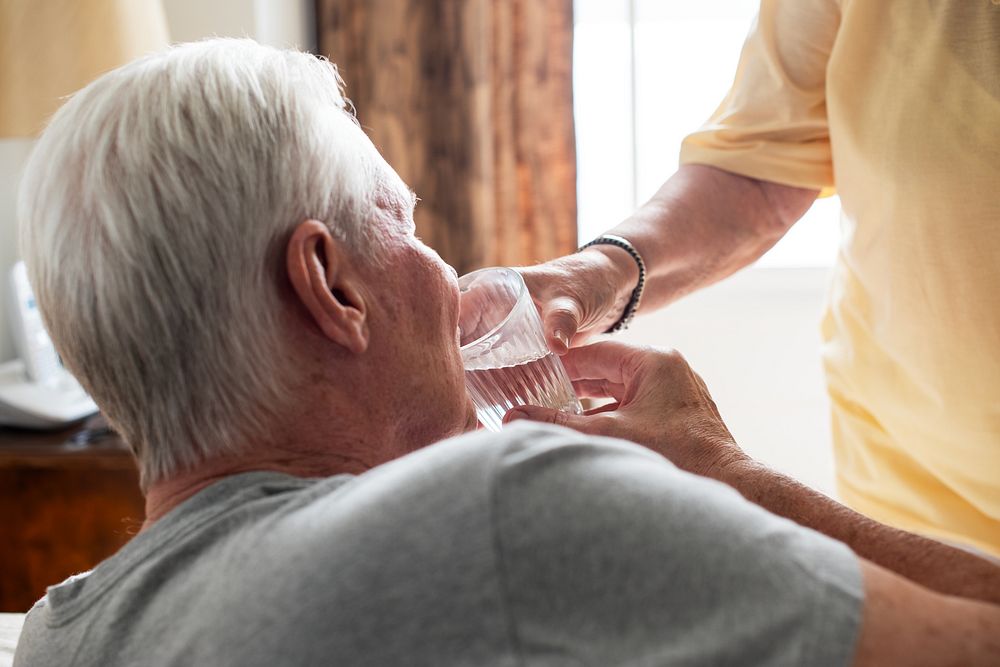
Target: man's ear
point(326, 285)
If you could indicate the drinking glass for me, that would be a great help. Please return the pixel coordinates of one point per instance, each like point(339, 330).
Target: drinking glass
point(507, 361)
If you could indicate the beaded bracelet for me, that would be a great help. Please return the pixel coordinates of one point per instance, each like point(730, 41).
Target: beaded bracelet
point(633, 302)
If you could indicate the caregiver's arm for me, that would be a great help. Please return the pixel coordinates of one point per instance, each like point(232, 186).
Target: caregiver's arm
point(663, 404)
point(701, 226)
point(927, 562)
point(904, 623)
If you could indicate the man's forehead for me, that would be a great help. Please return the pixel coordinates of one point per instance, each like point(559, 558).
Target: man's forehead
point(390, 190)
point(394, 197)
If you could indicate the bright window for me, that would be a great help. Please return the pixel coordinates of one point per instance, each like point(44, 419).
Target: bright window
point(647, 73)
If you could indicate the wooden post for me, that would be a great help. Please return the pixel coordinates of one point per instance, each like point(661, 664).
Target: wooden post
point(471, 102)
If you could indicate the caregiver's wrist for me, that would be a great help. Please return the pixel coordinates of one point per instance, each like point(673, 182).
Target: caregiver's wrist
point(745, 474)
point(619, 267)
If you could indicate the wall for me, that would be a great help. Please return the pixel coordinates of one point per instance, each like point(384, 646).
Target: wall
point(284, 23)
point(13, 154)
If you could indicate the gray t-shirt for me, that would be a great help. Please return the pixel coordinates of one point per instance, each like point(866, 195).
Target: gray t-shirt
point(536, 546)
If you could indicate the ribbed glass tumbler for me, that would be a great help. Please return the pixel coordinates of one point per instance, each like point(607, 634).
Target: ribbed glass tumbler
point(507, 362)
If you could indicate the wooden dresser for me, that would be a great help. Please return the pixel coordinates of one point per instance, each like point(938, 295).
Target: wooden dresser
point(64, 507)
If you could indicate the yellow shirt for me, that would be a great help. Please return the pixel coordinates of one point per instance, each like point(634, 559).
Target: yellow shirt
point(896, 105)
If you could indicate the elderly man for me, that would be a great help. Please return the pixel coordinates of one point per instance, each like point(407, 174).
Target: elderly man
point(231, 270)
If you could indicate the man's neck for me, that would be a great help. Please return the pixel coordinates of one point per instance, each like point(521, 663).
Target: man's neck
point(302, 455)
point(336, 432)
point(168, 494)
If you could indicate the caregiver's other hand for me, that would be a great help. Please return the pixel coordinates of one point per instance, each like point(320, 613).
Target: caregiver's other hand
point(581, 294)
point(660, 402)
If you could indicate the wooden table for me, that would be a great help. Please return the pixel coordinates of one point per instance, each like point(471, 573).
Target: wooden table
point(63, 508)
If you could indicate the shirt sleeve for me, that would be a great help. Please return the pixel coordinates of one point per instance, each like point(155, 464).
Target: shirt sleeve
point(772, 125)
point(608, 554)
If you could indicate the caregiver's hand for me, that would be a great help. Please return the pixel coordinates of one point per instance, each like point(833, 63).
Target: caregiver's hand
point(660, 402)
point(581, 294)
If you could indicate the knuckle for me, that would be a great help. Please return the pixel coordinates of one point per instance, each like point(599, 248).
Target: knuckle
point(675, 357)
point(671, 360)
point(563, 313)
point(547, 416)
point(564, 318)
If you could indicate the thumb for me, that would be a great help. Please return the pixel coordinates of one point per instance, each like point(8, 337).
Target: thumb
point(562, 320)
point(543, 415)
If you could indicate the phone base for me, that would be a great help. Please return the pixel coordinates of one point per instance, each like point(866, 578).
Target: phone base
point(48, 405)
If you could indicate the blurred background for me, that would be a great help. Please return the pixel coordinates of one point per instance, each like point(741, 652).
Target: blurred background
point(526, 126)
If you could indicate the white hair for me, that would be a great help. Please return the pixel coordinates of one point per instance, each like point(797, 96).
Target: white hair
point(154, 215)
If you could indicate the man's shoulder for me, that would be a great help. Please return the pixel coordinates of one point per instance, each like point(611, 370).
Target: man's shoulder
point(524, 450)
point(545, 474)
point(466, 476)
point(519, 443)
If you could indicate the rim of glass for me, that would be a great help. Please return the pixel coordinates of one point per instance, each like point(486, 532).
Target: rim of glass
point(521, 289)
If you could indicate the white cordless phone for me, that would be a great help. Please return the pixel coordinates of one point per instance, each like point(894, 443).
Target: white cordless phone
point(35, 390)
point(41, 363)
